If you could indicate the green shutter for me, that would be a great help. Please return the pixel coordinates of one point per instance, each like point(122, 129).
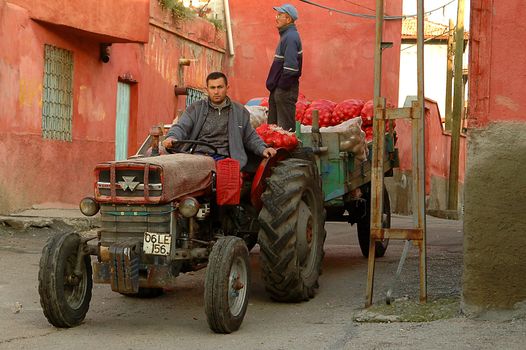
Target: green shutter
point(122, 121)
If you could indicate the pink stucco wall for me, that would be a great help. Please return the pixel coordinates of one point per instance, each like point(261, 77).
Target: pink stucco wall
point(496, 88)
point(338, 49)
point(34, 170)
point(495, 201)
point(438, 146)
point(119, 20)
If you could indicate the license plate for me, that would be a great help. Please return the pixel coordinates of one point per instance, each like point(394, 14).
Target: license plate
point(157, 243)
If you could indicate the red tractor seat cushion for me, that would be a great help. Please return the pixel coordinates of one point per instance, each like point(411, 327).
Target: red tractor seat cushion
point(228, 182)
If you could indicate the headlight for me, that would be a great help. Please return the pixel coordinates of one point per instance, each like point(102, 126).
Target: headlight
point(89, 207)
point(189, 207)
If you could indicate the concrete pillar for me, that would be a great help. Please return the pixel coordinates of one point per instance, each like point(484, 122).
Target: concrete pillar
point(495, 187)
point(495, 219)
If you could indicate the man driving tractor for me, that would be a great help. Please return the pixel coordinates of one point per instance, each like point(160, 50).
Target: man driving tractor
point(220, 122)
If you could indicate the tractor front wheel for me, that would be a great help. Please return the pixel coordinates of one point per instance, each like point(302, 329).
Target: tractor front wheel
point(227, 284)
point(65, 293)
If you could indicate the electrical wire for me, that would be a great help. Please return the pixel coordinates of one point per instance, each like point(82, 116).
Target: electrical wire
point(359, 5)
point(362, 15)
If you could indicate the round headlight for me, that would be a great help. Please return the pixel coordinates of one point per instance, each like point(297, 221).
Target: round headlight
point(189, 207)
point(88, 206)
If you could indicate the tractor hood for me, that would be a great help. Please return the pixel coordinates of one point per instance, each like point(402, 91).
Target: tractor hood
point(153, 180)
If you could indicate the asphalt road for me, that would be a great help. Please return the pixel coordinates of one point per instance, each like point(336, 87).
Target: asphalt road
point(176, 320)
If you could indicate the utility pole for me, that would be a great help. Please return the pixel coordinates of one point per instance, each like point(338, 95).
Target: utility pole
point(449, 74)
point(457, 110)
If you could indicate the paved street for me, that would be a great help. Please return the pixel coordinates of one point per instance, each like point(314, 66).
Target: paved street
point(177, 320)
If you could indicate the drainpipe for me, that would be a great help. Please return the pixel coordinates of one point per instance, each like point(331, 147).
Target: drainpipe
point(229, 28)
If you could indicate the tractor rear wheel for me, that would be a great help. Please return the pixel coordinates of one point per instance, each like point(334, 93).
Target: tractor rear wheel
point(292, 232)
point(64, 294)
point(227, 285)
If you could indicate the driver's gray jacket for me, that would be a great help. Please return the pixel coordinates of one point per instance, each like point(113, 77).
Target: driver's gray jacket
point(241, 134)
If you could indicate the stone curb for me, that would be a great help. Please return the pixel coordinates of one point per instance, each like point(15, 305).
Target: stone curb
point(22, 223)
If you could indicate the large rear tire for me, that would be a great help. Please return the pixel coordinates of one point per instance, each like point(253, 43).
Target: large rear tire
point(364, 224)
point(227, 285)
point(292, 231)
point(64, 296)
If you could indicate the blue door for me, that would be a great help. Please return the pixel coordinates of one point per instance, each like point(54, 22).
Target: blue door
point(122, 121)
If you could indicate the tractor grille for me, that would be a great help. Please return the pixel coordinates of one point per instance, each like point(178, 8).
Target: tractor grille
point(122, 222)
point(129, 183)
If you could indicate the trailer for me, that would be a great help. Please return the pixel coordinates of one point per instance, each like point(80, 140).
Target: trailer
point(346, 181)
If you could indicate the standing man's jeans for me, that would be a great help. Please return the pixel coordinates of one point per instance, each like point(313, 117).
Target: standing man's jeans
point(282, 108)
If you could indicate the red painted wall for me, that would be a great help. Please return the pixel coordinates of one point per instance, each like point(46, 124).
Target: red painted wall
point(438, 146)
point(34, 170)
point(496, 90)
point(338, 49)
point(338, 64)
point(494, 221)
point(194, 39)
point(119, 20)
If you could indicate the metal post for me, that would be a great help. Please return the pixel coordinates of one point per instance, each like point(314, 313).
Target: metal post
point(457, 110)
point(419, 191)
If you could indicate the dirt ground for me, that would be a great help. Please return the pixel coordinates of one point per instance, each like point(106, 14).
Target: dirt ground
point(176, 320)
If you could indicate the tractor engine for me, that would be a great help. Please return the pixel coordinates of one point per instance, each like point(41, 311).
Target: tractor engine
point(156, 219)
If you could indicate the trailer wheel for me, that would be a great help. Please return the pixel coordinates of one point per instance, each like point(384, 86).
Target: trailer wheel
point(64, 296)
point(292, 231)
point(364, 224)
point(227, 284)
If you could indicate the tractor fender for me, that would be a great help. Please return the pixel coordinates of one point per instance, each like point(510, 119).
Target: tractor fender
point(259, 183)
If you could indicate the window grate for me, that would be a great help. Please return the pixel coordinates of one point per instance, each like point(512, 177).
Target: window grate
point(194, 95)
point(57, 94)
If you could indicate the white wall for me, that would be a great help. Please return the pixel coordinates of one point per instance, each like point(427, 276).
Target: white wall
point(435, 64)
point(435, 70)
point(435, 55)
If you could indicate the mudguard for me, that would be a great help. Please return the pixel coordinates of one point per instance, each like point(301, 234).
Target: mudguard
point(262, 173)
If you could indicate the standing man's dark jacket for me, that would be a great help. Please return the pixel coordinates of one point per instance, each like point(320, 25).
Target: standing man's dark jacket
point(240, 133)
point(288, 59)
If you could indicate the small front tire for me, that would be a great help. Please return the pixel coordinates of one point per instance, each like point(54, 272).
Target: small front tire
point(64, 295)
point(227, 284)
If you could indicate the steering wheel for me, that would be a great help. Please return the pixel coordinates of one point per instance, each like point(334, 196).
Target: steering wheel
point(192, 142)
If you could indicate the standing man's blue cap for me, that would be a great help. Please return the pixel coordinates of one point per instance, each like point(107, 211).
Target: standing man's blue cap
point(289, 10)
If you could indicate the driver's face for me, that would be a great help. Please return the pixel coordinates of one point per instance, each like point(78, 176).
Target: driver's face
point(217, 90)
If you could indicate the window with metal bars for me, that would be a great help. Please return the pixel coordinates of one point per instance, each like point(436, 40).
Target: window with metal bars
point(57, 94)
point(194, 95)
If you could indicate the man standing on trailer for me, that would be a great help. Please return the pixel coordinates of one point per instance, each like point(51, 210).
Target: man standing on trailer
point(285, 71)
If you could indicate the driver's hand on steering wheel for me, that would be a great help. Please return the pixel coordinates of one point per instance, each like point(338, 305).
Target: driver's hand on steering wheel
point(269, 152)
point(168, 143)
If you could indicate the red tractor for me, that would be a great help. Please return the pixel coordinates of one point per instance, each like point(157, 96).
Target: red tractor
point(163, 215)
